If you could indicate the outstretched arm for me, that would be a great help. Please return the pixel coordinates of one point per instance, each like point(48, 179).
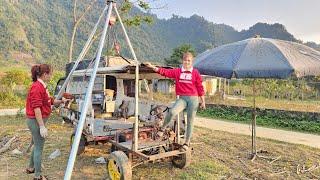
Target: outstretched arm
point(170, 73)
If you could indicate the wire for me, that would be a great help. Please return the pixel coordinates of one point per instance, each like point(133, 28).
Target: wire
point(125, 58)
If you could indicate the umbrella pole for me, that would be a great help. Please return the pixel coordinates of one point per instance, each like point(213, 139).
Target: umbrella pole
point(254, 153)
point(254, 124)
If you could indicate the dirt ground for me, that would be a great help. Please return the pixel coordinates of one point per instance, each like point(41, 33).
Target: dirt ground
point(216, 155)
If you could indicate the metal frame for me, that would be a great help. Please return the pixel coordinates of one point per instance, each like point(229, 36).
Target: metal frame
point(136, 123)
point(88, 95)
point(134, 148)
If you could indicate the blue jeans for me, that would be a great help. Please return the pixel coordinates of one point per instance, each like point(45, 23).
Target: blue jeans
point(190, 103)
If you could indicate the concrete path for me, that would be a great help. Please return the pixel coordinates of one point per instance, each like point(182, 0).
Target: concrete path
point(276, 134)
point(10, 112)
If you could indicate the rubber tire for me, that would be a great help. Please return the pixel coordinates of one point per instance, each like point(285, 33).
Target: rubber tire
point(123, 163)
point(82, 143)
point(182, 160)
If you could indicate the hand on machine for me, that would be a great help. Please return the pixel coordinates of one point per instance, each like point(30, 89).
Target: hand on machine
point(67, 99)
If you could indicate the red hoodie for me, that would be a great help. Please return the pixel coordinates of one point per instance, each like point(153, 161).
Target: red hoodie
point(38, 97)
point(187, 83)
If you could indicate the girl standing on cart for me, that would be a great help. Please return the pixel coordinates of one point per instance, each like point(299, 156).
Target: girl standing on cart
point(190, 90)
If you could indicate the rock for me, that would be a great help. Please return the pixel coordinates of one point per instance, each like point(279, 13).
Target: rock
point(3, 141)
point(6, 146)
point(16, 152)
point(101, 160)
point(55, 154)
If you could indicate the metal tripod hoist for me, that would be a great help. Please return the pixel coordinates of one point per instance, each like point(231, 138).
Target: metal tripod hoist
point(110, 5)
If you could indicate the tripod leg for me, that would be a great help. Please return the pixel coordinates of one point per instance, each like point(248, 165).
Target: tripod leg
point(135, 130)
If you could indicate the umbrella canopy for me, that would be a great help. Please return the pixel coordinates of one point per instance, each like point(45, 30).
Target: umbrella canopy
point(259, 58)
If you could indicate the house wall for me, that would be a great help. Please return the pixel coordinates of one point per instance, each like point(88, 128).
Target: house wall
point(165, 86)
point(210, 85)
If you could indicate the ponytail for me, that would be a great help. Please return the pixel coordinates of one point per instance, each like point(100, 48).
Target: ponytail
point(35, 71)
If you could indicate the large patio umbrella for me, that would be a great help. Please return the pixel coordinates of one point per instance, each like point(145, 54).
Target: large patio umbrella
point(259, 58)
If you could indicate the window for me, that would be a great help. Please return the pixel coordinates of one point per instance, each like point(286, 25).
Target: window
point(129, 87)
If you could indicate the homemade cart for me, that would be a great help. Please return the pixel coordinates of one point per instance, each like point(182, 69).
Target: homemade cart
point(134, 140)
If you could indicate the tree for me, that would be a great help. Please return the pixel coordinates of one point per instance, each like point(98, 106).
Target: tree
point(76, 22)
point(175, 58)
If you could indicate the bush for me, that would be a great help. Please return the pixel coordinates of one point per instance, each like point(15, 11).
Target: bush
point(53, 82)
point(13, 88)
point(15, 85)
point(16, 77)
point(9, 100)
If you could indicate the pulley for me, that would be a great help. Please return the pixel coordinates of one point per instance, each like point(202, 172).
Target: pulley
point(112, 20)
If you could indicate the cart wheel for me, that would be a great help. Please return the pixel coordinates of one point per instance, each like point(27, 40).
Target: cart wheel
point(119, 167)
point(82, 143)
point(182, 160)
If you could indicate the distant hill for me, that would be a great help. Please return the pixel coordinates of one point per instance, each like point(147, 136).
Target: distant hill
point(276, 31)
point(40, 30)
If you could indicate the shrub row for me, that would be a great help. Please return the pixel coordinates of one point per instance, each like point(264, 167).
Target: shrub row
point(291, 120)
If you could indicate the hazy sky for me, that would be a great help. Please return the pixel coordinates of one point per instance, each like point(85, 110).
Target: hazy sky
point(300, 17)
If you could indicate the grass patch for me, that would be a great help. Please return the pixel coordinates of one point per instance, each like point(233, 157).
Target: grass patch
point(205, 170)
point(265, 103)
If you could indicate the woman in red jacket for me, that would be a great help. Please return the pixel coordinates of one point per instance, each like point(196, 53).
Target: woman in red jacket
point(38, 109)
point(189, 89)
